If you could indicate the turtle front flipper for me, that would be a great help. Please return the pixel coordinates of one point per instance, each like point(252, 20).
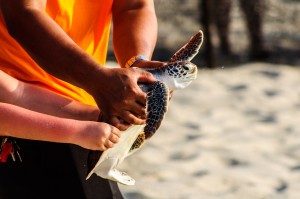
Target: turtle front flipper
point(189, 50)
point(157, 106)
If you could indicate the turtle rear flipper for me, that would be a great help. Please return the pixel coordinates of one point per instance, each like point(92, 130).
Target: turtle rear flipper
point(107, 170)
point(111, 158)
point(120, 177)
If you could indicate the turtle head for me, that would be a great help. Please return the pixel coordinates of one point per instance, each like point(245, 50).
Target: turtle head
point(178, 75)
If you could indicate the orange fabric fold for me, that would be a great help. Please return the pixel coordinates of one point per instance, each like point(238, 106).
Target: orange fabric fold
point(87, 22)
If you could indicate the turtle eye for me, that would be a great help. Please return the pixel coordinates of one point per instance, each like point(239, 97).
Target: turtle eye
point(185, 67)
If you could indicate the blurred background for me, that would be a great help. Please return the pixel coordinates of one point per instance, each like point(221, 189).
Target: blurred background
point(279, 34)
point(234, 133)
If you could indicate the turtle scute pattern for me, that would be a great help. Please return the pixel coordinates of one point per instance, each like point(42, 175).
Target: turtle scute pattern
point(157, 99)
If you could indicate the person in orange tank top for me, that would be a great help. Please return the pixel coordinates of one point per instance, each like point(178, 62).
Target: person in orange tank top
point(58, 49)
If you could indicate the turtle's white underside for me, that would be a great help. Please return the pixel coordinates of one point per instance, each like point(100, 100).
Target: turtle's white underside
point(106, 166)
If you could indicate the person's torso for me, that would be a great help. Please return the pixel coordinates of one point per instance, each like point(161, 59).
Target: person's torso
point(87, 22)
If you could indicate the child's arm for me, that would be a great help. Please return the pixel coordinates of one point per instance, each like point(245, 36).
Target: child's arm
point(31, 112)
point(38, 99)
point(18, 122)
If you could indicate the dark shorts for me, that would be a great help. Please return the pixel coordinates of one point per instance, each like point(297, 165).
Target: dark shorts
point(52, 170)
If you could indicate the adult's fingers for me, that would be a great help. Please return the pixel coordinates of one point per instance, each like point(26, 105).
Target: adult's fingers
point(144, 76)
point(138, 110)
point(118, 123)
point(131, 119)
point(140, 102)
point(148, 64)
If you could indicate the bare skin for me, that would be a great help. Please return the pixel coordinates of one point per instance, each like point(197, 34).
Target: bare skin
point(23, 123)
point(32, 112)
point(45, 41)
point(41, 100)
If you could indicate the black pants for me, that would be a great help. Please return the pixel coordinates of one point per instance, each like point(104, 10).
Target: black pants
point(51, 170)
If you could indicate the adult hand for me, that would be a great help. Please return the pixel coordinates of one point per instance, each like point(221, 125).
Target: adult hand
point(120, 96)
point(118, 122)
point(148, 64)
point(152, 64)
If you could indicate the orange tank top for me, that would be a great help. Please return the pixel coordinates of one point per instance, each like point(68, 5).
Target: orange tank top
point(87, 22)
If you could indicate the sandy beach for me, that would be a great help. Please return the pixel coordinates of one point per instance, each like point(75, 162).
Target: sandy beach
point(233, 133)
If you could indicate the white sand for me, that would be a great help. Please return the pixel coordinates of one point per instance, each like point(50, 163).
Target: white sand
point(234, 133)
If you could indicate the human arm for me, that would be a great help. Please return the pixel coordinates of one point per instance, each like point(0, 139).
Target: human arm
point(134, 33)
point(31, 112)
point(115, 90)
point(134, 29)
point(41, 100)
point(23, 123)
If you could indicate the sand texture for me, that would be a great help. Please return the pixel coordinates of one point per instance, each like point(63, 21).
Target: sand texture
point(233, 133)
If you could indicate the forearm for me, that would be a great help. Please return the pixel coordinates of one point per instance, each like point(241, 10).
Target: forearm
point(22, 123)
point(134, 29)
point(35, 98)
point(47, 43)
point(44, 101)
point(115, 90)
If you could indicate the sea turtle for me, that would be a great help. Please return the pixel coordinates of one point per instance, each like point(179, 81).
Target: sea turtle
point(177, 74)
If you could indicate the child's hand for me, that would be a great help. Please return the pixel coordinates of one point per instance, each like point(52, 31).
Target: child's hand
point(97, 136)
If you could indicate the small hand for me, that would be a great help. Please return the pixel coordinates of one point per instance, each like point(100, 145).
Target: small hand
point(98, 136)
